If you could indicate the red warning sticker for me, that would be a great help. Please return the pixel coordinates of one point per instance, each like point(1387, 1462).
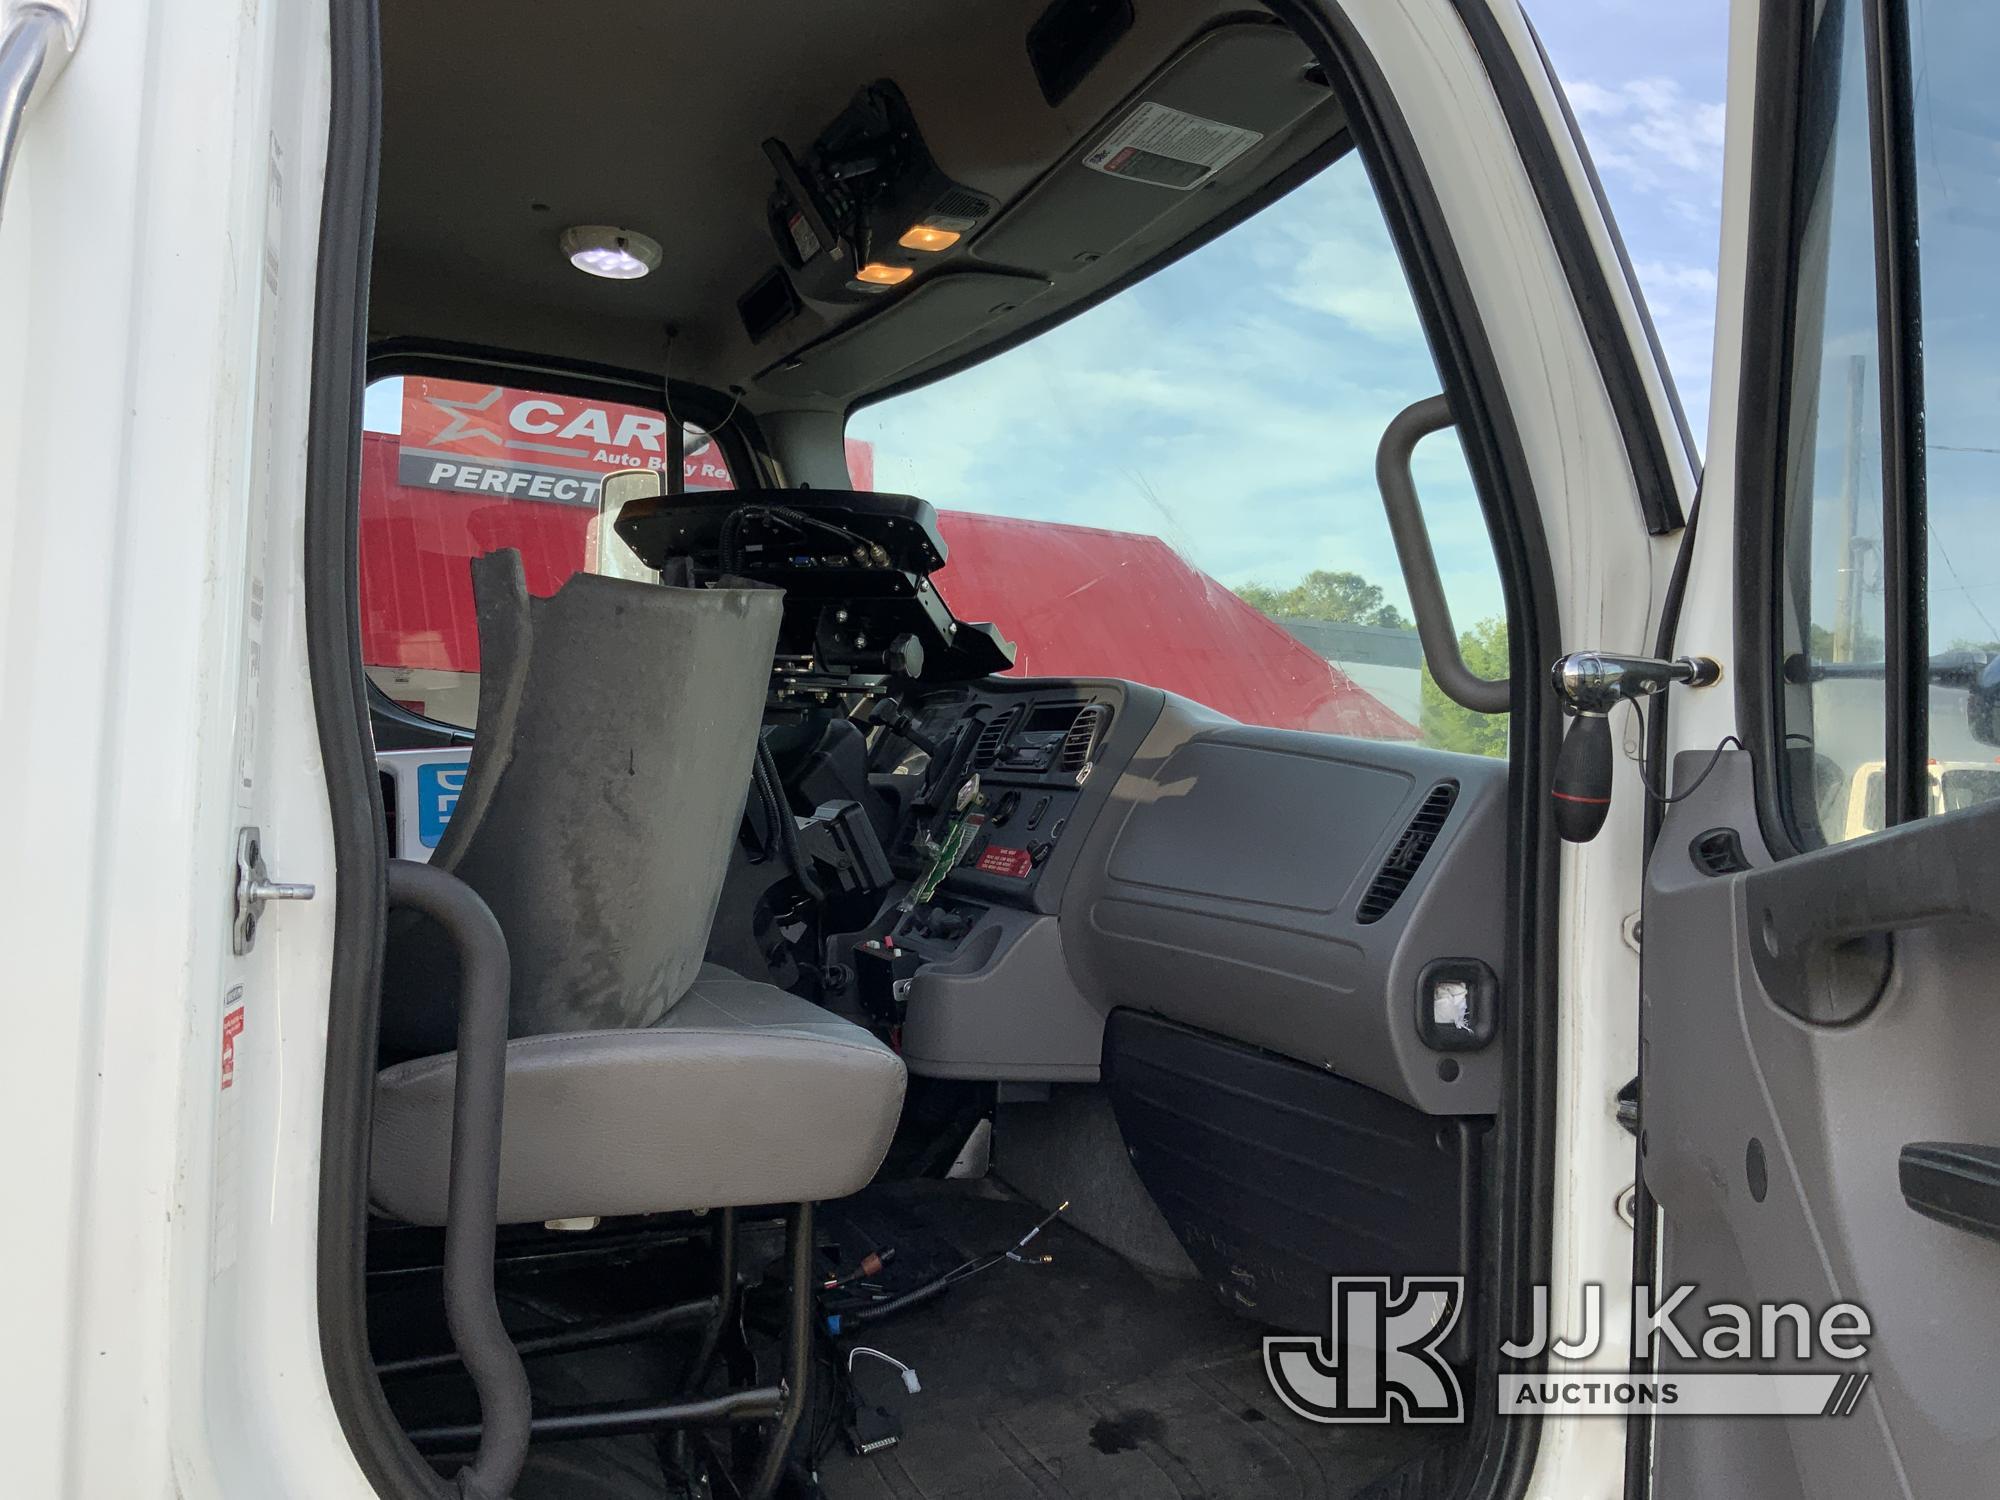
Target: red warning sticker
point(232, 1028)
point(1013, 863)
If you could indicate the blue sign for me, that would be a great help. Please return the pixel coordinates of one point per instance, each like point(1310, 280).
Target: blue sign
point(438, 784)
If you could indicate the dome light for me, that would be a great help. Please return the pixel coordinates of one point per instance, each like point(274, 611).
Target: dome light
point(607, 251)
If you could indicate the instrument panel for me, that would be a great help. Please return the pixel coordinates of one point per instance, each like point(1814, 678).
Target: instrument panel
point(1030, 755)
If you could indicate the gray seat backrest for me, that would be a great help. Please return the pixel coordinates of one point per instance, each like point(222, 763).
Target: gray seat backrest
point(618, 726)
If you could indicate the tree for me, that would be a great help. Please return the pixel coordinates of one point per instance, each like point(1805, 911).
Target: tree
point(1452, 726)
point(1339, 598)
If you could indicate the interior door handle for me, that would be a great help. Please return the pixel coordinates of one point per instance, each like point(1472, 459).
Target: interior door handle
point(1819, 924)
point(36, 40)
point(1953, 1183)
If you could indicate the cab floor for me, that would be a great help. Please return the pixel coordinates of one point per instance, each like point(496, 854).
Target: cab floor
point(1084, 1377)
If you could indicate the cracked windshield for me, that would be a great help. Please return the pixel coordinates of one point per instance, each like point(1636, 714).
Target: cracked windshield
point(1178, 486)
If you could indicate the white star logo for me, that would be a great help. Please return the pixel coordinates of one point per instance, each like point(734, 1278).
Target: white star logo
point(461, 426)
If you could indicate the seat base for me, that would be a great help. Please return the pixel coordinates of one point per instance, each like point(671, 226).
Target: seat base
point(742, 1094)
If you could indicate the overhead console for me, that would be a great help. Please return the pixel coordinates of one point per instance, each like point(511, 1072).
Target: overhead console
point(951, 267)
point(865, 205)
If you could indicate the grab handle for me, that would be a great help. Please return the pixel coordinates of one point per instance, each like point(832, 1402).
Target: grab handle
point(1420, 570)
point(36, 40)
point(472, 1204)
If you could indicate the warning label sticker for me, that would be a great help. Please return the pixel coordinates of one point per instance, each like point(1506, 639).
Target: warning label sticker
point(228, 1145)
point(1169, 147)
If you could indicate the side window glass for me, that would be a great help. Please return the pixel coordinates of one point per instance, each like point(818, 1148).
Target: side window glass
point(1956, 139)
point(1840, 501)
point(1178, 486)
point(452, 470)
point(1834, 709)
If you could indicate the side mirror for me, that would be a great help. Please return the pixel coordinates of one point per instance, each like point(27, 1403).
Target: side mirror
point(607, 552)
point(621, 486)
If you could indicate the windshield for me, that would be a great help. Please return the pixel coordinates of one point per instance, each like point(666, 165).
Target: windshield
point(1178, 486)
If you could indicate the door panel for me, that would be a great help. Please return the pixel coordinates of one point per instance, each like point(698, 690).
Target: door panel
point(1734, 1075)
point(1807, 1018)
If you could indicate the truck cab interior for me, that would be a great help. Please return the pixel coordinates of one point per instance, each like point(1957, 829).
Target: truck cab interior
point(839, 1026)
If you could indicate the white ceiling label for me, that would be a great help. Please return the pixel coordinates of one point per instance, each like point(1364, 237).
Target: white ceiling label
point(1169, 147)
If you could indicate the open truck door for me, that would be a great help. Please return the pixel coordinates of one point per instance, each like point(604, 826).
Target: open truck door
point(1818, 1122)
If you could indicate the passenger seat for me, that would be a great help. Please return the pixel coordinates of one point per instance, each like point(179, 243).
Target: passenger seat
point(617, 728)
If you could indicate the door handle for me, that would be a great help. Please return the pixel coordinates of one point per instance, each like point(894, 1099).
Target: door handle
point(1819, 925)
point(36, 40)
point(1953, 1183)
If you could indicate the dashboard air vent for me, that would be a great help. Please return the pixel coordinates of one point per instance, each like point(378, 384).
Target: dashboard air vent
point(1081, 741)
point(992, 737)
point(1401, 867)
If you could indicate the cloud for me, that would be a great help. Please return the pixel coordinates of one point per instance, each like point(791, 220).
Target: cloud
point(1676, 278)
point(1648, 130)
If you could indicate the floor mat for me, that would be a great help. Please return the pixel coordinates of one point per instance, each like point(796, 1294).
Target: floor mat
point(1083, 1377)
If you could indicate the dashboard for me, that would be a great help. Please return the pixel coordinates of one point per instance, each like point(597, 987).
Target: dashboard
point(1305, 894)
point(1336, 902)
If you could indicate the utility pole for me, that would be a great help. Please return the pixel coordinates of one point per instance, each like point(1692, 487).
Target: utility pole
point(1847, 608)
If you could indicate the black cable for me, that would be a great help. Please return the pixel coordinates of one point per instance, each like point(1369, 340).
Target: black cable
point(875, 1312)
point(1694, 786)
point(964, 1271)
point(787, 830)
point(767, 841)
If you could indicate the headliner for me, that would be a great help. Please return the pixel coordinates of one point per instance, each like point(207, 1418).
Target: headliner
point(506, 122)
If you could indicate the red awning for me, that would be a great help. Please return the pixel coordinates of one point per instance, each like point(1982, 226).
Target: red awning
point(1083, 602)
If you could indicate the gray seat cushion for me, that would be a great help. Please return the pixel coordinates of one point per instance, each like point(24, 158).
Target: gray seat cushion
point(741, 1094)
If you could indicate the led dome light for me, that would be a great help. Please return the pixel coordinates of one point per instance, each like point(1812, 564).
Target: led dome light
point(607, 251)
point(928, 237)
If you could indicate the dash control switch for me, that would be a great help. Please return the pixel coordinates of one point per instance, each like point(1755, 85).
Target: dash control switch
point(1458, 1003)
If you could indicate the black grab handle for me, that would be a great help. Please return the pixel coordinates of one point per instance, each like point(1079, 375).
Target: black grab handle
point(1953, 1183)
point(472, 1203)
point(1581, 788)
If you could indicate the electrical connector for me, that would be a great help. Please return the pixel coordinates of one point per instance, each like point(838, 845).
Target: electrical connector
point(870, 1429)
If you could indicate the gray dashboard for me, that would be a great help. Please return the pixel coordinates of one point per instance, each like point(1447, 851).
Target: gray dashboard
point(1227, 877)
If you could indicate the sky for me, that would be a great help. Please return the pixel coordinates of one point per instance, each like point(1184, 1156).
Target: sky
point(1231, 404)
point(1646, 82)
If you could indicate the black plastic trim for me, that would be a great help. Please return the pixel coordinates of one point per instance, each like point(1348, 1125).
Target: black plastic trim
point(1583, 268)
point(1764, 399)
point(421, 732)
point(1899, 323)
point(1953, 1183)
point(354, 794)
point(1782, 135)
